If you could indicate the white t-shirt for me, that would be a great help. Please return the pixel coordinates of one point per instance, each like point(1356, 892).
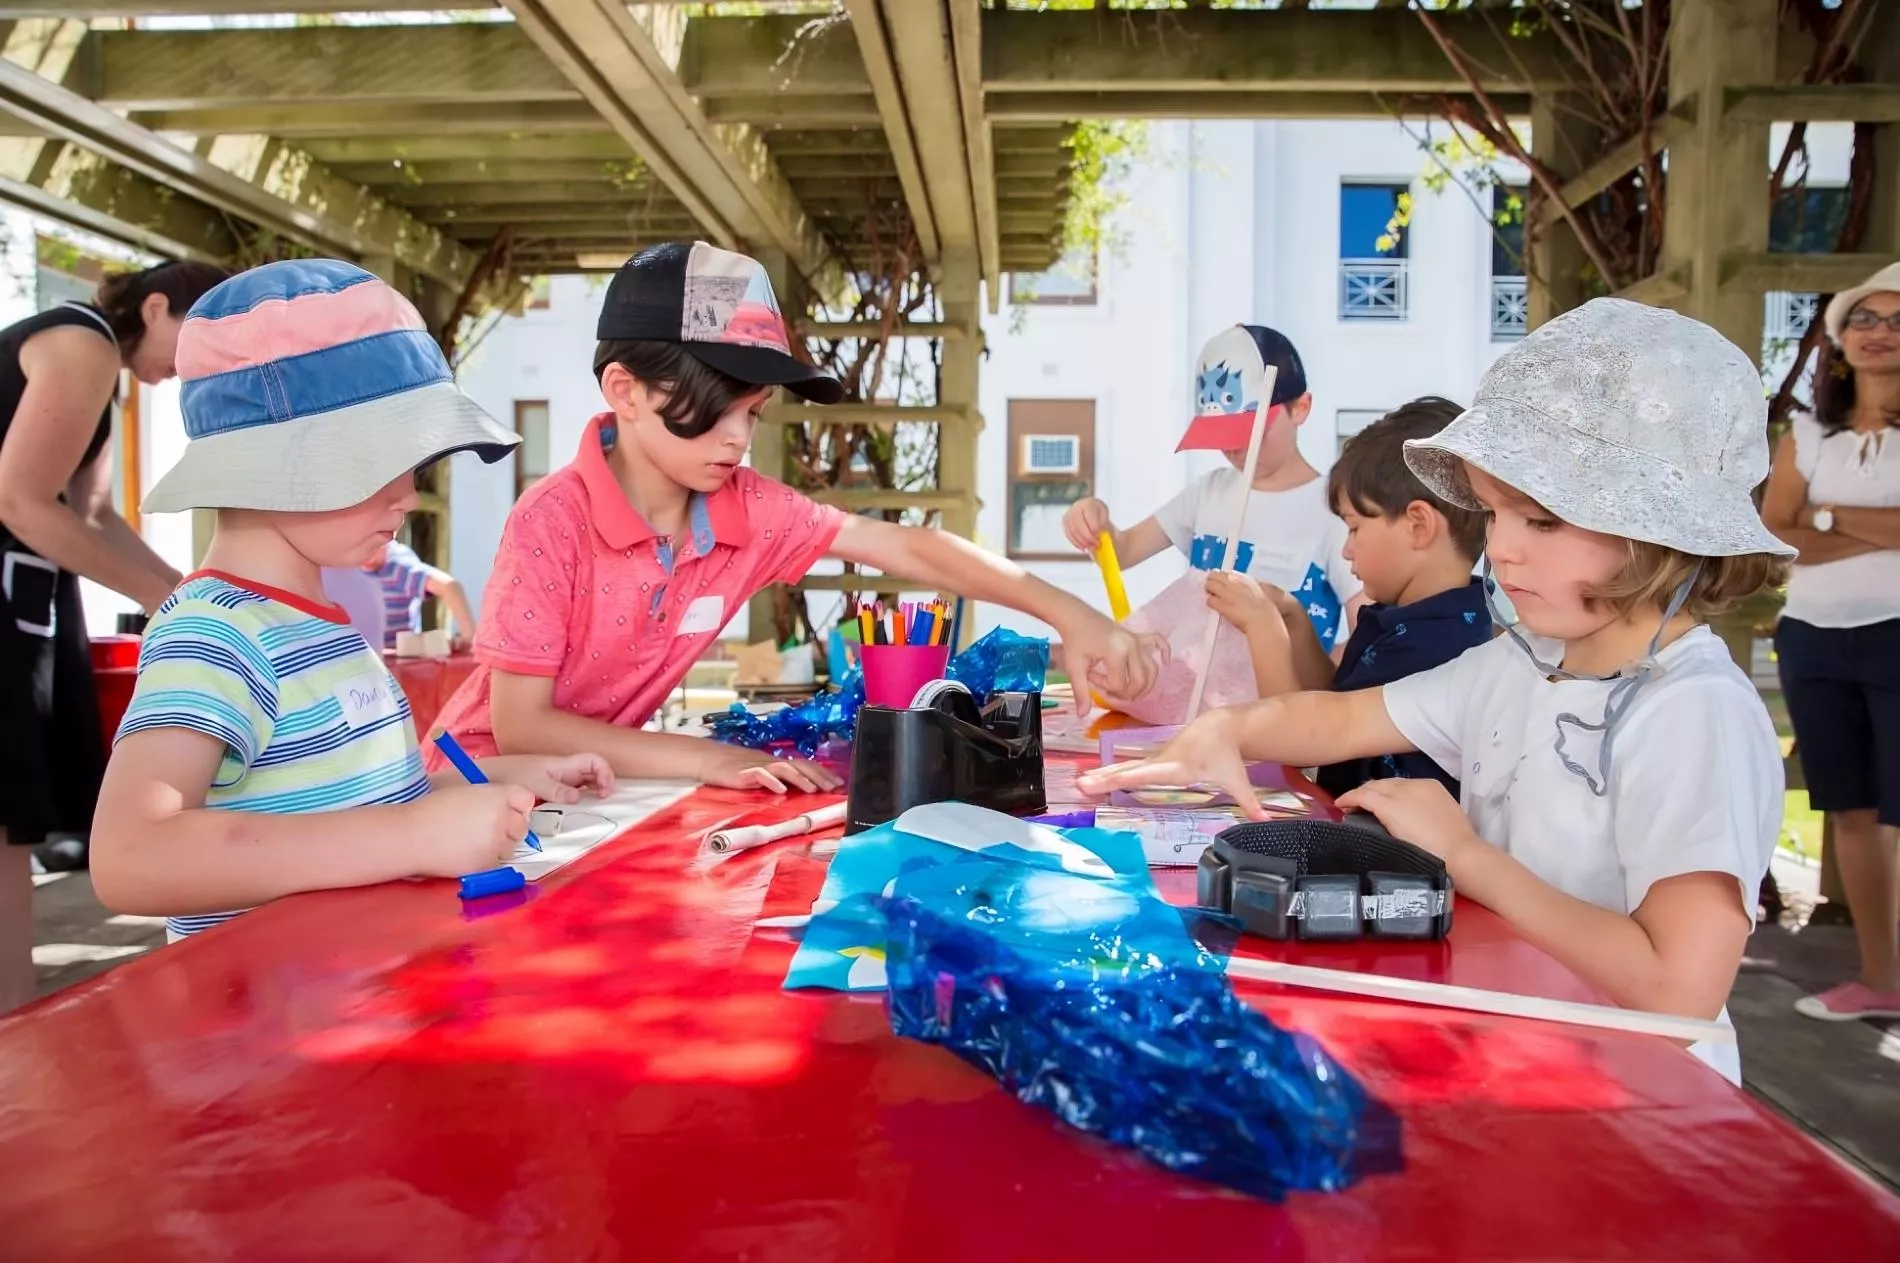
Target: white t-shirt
point(1695, 782)
point(1858, 471)
point(1292, 540)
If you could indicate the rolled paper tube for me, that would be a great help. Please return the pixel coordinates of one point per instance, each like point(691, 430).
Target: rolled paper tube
point(435, 644)
point(1252, 465)
point(1475, 1000)
point(409, 645)
point(746, 837)
point(1112, 577)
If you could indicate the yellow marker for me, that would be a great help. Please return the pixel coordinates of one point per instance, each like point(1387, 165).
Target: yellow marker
point(1112, 576)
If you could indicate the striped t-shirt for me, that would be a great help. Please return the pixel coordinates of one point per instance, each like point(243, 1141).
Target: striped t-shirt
point(404, 578)
point(310, 718)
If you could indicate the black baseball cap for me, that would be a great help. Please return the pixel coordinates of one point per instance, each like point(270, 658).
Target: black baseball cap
point(719, 307)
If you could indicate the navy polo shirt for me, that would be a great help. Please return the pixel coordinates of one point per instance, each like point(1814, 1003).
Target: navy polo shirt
point(1391, 642)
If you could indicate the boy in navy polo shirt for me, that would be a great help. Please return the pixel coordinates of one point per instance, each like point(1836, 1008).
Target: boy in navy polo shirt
point(1413, 552)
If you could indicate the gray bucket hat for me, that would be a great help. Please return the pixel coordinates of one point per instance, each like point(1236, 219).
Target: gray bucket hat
point(1624, 419)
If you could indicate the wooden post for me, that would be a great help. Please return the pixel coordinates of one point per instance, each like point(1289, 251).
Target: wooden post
point(1717, 199)
point(957, 440)
point(1556, 276)
point(768, 438)
point(1882, 57)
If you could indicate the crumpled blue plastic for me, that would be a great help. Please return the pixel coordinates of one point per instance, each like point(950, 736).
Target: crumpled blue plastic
point(803, 727)
point(1090, 1000)
point(1000, 662)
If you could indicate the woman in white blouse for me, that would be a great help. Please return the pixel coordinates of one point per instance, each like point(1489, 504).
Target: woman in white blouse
point(1834, 493)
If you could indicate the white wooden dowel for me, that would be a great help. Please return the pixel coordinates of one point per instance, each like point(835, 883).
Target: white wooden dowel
point(1446, 996)
point(1232, 546)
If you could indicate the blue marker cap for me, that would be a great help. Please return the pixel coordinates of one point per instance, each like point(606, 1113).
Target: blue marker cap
point(495, 881)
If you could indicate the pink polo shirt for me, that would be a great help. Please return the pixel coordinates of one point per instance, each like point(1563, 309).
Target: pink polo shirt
point(585, 591)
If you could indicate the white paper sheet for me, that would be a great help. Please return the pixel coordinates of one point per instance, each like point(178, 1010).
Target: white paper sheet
point(591, 821)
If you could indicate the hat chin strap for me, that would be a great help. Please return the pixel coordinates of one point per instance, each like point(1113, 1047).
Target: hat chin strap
point(1624, 684)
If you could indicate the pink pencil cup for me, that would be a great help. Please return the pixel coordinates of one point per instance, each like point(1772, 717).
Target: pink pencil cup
point(894, 673)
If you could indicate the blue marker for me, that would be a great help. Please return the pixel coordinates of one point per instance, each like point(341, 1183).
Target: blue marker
point(493, 881)
point(452, 750)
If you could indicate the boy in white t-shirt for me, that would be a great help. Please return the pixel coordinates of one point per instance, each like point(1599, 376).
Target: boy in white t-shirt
point(1621, 782)
point(1292, 540)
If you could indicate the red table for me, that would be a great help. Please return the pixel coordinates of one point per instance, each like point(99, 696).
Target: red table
point(608, 1069)
point(428, 683)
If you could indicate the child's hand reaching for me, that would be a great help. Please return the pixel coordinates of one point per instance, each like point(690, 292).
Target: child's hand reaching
point(734, 767)
point(1083, 524)
point(1116, 662)
point(467, 828)
point(1421, 812)
point(1206, 752)
point(1243, 600)
point(553, 778)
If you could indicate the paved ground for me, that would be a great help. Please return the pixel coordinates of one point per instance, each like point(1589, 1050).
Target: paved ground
point(1839, 1081)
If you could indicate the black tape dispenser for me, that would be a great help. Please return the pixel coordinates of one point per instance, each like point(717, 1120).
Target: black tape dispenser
point(943, 749)
point(1319, 880)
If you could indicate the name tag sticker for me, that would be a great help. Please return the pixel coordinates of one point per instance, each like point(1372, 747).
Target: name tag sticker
point(367, 699)
point(707, 614)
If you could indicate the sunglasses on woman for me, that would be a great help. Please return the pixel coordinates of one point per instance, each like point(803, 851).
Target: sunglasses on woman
point(1862, 319)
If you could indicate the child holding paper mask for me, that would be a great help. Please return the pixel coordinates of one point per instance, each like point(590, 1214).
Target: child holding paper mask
point(1244, 536)
point(1291, 540)
point(1621, 781)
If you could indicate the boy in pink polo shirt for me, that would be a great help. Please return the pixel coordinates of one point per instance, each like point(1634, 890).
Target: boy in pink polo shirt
point(616, 573)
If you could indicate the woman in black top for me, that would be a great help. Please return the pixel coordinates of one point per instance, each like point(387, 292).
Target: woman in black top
point(59, 371)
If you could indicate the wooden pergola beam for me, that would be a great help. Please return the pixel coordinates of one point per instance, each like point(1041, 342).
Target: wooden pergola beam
point(623, 172)
point(359, 120)
point(276, 187)
point(1751, 273)
point(1216, 50)
point(1816, 103)
point(1619, 162)
point(770, 113)
point(489, 62)
point(1007, 110)
point(966, 46)
point(214, 8)
point(660, 210)
point(89, 192)
point(597, 193)
point(602, 146)
point(878, 68)
point(625, 62)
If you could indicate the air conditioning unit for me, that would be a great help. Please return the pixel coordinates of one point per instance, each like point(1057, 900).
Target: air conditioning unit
point(1052, 454)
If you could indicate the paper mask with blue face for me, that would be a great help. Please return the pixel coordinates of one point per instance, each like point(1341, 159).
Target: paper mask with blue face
point(1227, 383)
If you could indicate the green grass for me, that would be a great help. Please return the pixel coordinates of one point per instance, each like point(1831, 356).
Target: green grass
point(1800, 824)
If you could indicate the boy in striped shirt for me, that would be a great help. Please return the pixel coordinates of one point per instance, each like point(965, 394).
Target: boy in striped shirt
point(267, 750)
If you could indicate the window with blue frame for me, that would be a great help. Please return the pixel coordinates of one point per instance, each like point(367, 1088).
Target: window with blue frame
point(1373, 252)
point(1510, 300)
point(1803, 220)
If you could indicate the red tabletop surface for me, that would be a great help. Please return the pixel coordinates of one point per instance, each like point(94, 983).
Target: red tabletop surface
point(428, 683)
point(606, 1068)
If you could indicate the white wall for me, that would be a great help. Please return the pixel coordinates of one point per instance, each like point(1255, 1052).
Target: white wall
point(539, 355)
